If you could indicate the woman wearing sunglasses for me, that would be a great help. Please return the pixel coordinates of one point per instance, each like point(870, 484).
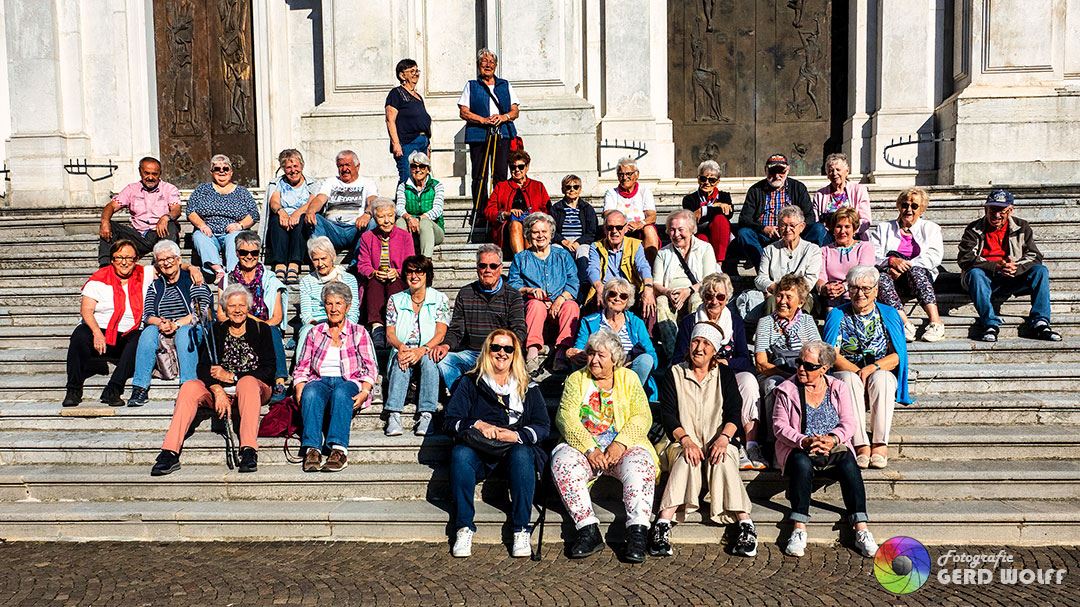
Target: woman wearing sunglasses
point(498, 422)
point(814, 423)
point(576, 224)
point(909, 250)
point(512, 201)
point(712, 208)
point(219, 210)
point(716, 291)
point(419, 205)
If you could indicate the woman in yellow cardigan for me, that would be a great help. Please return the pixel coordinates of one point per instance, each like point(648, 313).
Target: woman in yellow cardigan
point(604, 418)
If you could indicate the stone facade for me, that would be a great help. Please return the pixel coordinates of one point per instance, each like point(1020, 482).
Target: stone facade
point(998, 80)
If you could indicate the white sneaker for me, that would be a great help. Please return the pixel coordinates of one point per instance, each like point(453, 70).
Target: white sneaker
point(796, 544)
point(865, 544)
point(935, 331)
point(522, 545)
point(909, 331)
point(393, 425)
point(463, 543)
point(744, 460)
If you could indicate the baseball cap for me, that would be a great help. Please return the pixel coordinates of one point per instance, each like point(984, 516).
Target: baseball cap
point(776, 160)
point(1000, 199)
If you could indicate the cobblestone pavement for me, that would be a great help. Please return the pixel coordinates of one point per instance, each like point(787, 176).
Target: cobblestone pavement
point(321, 574)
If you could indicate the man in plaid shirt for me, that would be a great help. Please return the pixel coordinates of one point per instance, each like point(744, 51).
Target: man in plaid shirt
point(760, 214)
point(480, 308)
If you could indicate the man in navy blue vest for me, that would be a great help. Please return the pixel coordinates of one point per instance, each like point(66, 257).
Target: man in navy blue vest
point(488, 103)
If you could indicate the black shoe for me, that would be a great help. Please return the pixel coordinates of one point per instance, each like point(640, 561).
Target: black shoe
point(746, 542)
point(989, 334)
point(167, 463)
point(139, 396)
point(249, 459)
point(660, 540)
point(588, 541)
point(636, 538)
point(73, 397)
point(1040, 329)
point(111, 396)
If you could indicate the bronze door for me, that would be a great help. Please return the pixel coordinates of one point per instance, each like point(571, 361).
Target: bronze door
point(205, 87)
point(749, 78)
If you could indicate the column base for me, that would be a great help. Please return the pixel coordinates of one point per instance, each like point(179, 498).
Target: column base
point(38, 178)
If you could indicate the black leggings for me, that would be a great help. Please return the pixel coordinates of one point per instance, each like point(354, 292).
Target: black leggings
point(83, 361)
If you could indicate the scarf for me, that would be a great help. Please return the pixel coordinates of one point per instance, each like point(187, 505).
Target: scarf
point(334, 274)
point(706, 199)
point(786, 326)
point(724, 322)
point(135, 296)
point(492, 290)
point(629, 194)
point(509, 395)
point(255, 287)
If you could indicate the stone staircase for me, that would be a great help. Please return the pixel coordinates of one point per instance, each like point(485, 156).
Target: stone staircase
point(990, 454)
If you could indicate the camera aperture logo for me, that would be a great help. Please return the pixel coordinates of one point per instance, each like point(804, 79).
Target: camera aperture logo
point(902, 566)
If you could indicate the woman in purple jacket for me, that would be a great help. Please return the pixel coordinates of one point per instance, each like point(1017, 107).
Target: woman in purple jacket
point(813, 423)
point(379, 256)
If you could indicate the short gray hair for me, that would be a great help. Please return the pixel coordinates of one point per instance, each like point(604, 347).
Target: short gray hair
point(861, 273)
point(237, 289)
point(488, 249)
point(336, 288)
point(166, 246)
point(321, 243)
point(826, 354)
point(535, 218)
point(684, 214)
point(249, 236)
point(793, 211)
point(715, 283)
point(606, 339)
point(419, 157)
point(837, 157)
point(344, 153)
point(486, 52)
point(710, 166)
point(220, 158)
point(619, 285)
point(628, 161)
point(381, 203)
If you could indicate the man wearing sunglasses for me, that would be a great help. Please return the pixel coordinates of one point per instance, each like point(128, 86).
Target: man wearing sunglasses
point(618, 256)
point(759, 218)
point(479, 309)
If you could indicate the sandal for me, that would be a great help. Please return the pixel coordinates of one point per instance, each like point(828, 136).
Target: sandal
point(292, 277)
point(280, 273)
point(1040, 329)
point(989, 334)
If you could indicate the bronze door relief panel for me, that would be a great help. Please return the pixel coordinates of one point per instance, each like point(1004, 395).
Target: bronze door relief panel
point(748, 78)
point(206, 86)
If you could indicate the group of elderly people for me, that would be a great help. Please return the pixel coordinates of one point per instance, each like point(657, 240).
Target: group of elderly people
point(649, 335)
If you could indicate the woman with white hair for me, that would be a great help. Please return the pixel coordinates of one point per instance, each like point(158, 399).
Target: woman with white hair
point(325, 270)
point(789, 255)
point(712, 208)
point(379, 256)
point(677, 273)
point(873, 361)
point(636, 202)
point(287, 198)
point(842, 193)
point(419, 205)
point(171, 309)
point(547, 279)
point(604, 419)
point(219, 210)
point(239, 374)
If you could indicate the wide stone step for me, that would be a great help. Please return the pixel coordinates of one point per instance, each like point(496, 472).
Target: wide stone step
point(989, 522)
point(985, 442)
point(939, 379)
point(1012, 409)
point(1005, 350)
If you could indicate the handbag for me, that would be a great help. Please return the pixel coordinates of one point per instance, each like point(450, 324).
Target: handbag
point(784, 358)
point(283, 420)
point(493, 447)
point(821, 462)
point(167, 365)
point(516, 143)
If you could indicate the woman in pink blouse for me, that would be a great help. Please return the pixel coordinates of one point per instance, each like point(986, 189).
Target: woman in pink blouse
point(840, 256)
point(841, 193)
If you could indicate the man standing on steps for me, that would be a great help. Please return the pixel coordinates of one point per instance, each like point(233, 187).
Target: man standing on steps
point(154, 207)
point(759, 218)
point(480, 308)
point(344, 201)
point(998, 257)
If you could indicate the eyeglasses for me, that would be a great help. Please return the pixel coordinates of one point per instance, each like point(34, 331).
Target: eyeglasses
point(221, 170)
point(617, 228)
point(124, 258)
point(518, 167)
point(619, 296)
point(572, 188)
point(166, 261)
point(419, 167)
point(807, 366)
point(501, 348)
point(863, 290)
point(914, 206)
point(488, 266)
point(788, 226)
point(708, 180)
point(247, 252)
point(621, 174)
point(412, 70)
point(720, 297)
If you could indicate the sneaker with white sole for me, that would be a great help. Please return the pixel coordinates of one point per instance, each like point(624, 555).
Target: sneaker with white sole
point(463, 543)
point(935, 331)
point(796, 544)
point(393, 424)
point(757, 459)
point(522, 545)
point(746, 541)
point(423, 425)
point(744, 460)
point(909, 331)
point(865, 544)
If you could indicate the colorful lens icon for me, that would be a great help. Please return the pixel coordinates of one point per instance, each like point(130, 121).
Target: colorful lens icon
point(902, 565)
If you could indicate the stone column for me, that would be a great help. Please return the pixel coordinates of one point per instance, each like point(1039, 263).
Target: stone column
point(862, 84)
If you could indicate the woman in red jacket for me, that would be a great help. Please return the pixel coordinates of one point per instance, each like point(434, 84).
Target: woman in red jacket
point(512, 201)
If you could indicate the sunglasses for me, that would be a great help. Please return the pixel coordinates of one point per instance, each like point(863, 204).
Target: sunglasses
point(488, 266)
point(708, 180)
point(415, 271)
point(914, 206)
point(167, 261)
point(628, 174)
point(619, 296)
point(500, 348)
point(805, 366)
point(247, 252)
point(221, 170)
point(617, 228)
point(572, 188)
point(518, 167)
point(720, 297)
point(418, 167)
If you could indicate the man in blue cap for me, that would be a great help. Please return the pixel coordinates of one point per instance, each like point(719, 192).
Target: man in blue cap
point(998, 257)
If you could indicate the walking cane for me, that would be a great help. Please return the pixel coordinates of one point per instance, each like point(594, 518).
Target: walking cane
point(538, 554)
point(487, 168)
point(232, 460)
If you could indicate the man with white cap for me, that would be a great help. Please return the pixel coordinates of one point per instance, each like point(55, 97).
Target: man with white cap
point(999, 257)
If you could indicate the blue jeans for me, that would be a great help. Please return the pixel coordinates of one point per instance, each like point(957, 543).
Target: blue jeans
point(467, 467)
point(399, 385)
point(421, 143)
point(982, 287)
point(642, 366)
point(752, 242)
point(800, 472)
point(455, 365)
point(187, 354)
point(281, 364)
point(816, 233)
point(343, 234)
point(209, 249)
point(329, 396)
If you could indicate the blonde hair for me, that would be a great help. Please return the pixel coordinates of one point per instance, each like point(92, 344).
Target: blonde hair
point(919, 194)
point(517, 364)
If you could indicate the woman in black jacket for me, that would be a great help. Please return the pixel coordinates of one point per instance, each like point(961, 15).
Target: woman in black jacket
point(497, 420)
point(240, 373)
point(575, 224)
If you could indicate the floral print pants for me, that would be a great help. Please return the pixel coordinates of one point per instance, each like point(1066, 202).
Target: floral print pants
point(573, 474)
point(917, 280)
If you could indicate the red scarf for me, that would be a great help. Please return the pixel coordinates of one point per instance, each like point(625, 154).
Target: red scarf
point(706, 199)
point(629, 194)
point(135, 296)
